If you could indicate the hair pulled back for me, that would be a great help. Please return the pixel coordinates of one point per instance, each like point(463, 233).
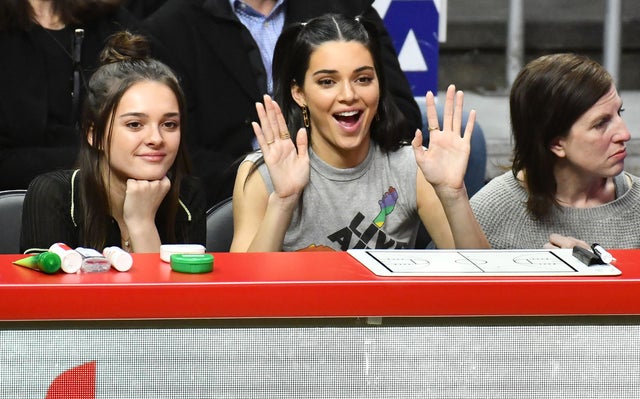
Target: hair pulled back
point(293, 51)
point(125, 62)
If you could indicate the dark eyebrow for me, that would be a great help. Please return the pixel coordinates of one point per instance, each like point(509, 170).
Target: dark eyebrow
point(323, 71)
point(138, 114)
point(364, 68)
point(605, 115)
point(143, 115)
point(331, 71)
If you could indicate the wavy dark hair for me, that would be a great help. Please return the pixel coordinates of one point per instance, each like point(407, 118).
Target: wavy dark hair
point(292, 53)
point(125, 62)
point(549, 94)
point(19, 15)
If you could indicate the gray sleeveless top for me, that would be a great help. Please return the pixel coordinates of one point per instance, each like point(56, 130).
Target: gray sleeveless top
point(372, 205)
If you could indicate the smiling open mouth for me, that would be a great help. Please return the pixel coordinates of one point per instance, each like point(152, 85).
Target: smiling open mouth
point(349, 118)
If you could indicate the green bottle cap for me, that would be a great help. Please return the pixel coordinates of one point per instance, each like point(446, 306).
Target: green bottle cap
point(192, 263)
point(48, 262)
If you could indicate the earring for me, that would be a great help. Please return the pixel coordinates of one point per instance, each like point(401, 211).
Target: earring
point(305, 116)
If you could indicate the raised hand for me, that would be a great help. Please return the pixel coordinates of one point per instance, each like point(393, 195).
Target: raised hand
point(444, 163)
point(288, 168)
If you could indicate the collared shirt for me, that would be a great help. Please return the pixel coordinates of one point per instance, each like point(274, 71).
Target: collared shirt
point(265, 30)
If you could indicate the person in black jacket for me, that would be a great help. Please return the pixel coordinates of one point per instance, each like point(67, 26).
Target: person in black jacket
point(49, 51)
point(228, 70)
point(143, 8)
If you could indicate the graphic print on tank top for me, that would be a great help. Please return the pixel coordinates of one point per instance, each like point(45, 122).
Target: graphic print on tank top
point(358, 235)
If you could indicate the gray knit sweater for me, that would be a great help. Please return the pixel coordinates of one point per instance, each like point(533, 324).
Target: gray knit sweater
point(500, 208)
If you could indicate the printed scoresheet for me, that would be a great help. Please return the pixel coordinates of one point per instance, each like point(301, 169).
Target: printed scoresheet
point(556, 262)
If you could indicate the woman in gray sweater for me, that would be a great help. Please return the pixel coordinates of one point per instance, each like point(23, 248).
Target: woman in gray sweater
point(567, 185)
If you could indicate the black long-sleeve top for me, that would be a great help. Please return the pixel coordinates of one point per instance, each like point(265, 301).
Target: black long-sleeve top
point(52, 213)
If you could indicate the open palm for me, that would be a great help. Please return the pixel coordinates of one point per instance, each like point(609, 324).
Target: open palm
point(288, 168)
point(444, 163)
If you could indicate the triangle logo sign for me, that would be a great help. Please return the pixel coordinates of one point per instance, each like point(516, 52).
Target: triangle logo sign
point(410, 56)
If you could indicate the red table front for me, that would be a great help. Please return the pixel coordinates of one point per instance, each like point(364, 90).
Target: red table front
point(301, 285)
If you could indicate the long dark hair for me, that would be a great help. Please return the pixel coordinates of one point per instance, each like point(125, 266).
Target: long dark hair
point(125, 62)
point(296, 43)
point(547, 97)
point(19, 15)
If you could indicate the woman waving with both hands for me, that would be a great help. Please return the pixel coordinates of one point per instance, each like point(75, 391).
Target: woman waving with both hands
point(347, 179)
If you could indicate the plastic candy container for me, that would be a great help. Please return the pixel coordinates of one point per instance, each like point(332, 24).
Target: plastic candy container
point(192, 263)
point(93, 261)
point(167, 250)
point(120, 259)
point(71, 259)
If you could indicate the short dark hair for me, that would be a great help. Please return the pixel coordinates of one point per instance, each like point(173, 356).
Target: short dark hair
point(547, 97)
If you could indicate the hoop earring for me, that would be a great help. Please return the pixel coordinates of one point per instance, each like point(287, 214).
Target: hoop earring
point(305, 116)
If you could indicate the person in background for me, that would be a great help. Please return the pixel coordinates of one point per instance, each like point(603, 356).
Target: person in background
point(567, 185)
point(226, 47)
point(132, 187)
point(49, 50)
point(348, 178)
